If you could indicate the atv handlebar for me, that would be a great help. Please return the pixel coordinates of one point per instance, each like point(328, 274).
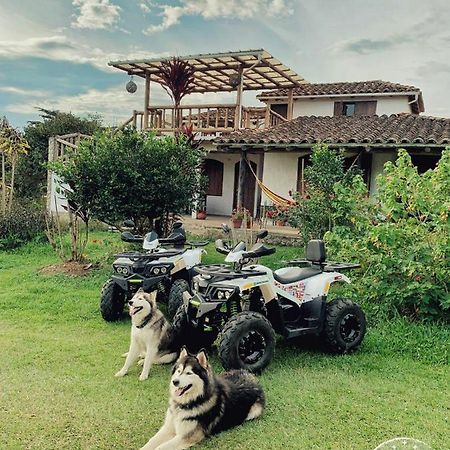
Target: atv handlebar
point(128, 236)
point(222, 247)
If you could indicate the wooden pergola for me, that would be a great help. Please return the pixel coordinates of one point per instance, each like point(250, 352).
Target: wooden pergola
point(221, 72)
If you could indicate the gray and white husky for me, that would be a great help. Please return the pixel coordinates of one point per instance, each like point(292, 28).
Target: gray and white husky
point(202, 404)
point(152, 337)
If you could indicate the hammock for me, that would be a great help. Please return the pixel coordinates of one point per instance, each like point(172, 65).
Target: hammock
point(275, 198)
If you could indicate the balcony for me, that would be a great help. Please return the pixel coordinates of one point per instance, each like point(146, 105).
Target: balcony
point(204, 119)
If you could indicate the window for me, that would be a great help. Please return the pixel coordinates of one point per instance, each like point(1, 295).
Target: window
point(214, 172)
point(303, 162)
point(363, 108)
point(348, 109)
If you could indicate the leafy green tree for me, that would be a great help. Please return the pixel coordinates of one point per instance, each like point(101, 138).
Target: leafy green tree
point(402, 240)
point(32, 171)
point(132, 175)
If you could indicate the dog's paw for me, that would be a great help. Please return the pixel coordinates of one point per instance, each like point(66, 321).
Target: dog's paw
point(142, 377)
point(120, 373)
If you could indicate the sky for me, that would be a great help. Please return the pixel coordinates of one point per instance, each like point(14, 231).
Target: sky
point(54, 53)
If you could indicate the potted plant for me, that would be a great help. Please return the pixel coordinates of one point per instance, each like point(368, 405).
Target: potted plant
point(201, 209)
point(237, 216)
point(281, 215)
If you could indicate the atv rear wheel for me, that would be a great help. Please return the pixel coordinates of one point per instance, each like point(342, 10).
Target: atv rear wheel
point(190, 336)
point(112, 301)
point(247, 342)
point(344, 327)
point(176, 296)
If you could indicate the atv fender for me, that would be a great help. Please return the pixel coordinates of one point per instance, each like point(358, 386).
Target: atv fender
point(319, 285)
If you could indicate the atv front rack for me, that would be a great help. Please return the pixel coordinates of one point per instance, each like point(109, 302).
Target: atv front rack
point(136, 256)
point(225, 271)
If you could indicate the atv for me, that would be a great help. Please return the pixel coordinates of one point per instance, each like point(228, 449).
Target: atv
point(168, 270)
point(244, 306)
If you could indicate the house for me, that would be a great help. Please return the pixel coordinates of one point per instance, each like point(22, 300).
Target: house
point(368, 120)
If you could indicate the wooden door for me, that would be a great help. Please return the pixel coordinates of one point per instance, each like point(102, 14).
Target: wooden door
point(249, 184)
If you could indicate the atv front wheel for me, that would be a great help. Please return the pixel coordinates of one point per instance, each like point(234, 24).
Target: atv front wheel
point(176, 296)
point(112, 301)
point(186, 334)
point(247, 342)
point(344, 327)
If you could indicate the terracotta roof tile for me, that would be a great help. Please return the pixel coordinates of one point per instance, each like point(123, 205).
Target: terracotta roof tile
point(395, 129)
point(343, 88)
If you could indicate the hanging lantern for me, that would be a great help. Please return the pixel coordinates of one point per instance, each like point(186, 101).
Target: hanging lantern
point(234, 80)
point(131, 86)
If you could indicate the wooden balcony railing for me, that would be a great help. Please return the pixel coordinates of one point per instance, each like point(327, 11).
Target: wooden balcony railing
point(206, 119)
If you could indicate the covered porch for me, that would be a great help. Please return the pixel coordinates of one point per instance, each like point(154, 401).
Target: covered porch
point(251, 70)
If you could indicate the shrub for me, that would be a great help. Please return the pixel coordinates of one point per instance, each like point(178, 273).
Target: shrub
point(132, 175)
point(21, 225)
point(402, 240)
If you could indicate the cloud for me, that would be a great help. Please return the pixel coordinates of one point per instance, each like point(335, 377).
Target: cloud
point(23, 92)
point(213, 9)
point(60, 48)
point(96, 14)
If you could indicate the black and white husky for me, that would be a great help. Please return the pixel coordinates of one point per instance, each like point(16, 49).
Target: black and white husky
point(152, 337)
point(202, 404)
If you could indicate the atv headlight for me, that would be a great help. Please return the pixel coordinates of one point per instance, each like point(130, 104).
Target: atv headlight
point(163, 270)
point(222, 293)
point(123, 270)
point(156, 270)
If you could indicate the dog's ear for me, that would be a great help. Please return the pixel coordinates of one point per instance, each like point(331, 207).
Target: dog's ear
point(202, 359)
point(140, 291)
point(183, 352)
point(152, 296)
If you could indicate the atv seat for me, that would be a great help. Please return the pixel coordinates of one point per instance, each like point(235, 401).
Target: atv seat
point(289, 275)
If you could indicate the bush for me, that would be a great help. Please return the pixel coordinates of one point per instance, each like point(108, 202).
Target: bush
point(21, 225)
point(132, 175)
point(402, 240)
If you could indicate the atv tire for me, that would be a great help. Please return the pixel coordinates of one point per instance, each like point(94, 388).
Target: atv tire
point(247, 342)
point(176, 296)
point(344, 327)
point(188, 335)
point(112, 301)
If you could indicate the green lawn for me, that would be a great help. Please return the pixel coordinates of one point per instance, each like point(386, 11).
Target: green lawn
point(58, 359)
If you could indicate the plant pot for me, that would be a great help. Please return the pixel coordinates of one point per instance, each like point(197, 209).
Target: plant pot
point(201, 215)
point(281, 223)
point(237, 223)
point(249, 224)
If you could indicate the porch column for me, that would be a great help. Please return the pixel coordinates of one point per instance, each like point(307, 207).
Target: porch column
point(290, 105)
point(146, 99)
point(241, 184)
point(260, 174)
point(238, 114)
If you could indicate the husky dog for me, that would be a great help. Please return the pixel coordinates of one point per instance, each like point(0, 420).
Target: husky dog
point(202, 404)
point(151, 335)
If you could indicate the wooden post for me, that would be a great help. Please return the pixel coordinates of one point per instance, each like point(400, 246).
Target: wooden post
point(260, 174)
point(146, 99)
point(241, 184)
point(134, 121)
point(238, 115)
point(267, 116)
point(290, 105)
point(52, 155)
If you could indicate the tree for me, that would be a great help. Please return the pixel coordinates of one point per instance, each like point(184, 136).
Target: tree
point(12, 146)
point(132, 175)
point(177, 78)
point(319, 208)
point(32, 171)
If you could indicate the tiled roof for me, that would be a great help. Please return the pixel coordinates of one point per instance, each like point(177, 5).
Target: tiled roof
point(397, 129)
point(343, 88)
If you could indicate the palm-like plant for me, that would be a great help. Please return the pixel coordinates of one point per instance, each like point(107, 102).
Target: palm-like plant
point(177, 78)
point(12, 145)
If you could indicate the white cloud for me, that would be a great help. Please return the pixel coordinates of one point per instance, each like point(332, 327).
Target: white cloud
point(24, 92)
point(213, 9)
point(96, 14)
point(60, 48)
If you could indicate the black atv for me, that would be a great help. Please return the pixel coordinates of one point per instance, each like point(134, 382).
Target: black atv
point(169, 270)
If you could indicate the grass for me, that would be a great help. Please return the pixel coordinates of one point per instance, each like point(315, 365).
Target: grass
point(58, 358)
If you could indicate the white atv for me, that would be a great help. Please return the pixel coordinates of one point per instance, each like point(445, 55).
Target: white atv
point(168, 270)
point(245, 305)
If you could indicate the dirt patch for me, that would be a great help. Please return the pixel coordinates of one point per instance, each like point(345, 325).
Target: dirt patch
point(71, 268)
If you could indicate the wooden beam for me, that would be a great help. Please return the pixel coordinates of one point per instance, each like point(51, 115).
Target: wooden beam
point(241, 183)
point(238, 115)
point(290, 105)
point(146, 99)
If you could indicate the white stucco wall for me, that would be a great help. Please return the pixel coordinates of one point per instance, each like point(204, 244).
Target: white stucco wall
point(325, 107)
point(379, 158)
point(223, 205)
point(280, 173)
